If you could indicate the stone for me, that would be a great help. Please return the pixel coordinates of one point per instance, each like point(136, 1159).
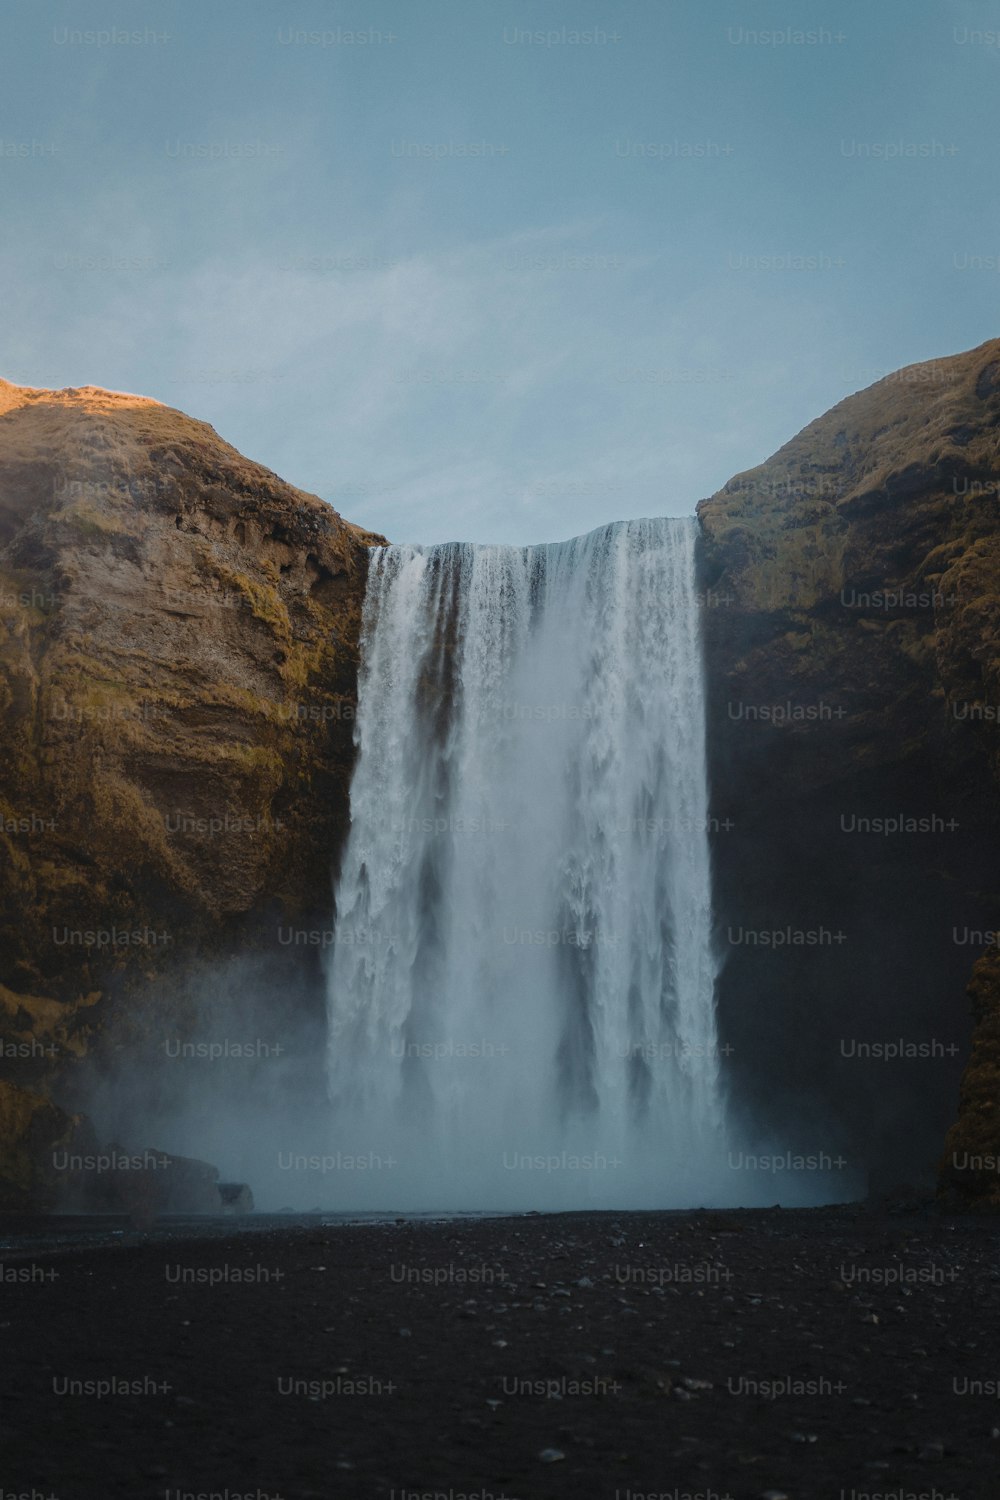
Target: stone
point(178, 648)
point(850, 588)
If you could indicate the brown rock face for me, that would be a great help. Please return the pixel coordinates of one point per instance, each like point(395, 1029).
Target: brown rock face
point(853, 657)
point(970, 1166)
point(178, 653)
point(34, 1134)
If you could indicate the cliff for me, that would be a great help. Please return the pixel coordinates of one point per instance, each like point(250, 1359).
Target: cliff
point(178, 663)
point(178, 653)
point(853, 658)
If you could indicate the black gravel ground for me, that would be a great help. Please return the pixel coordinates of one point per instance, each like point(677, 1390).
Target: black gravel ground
point(843, 1353)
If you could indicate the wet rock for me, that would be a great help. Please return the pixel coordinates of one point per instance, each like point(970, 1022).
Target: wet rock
point(142, 1184)
point(235, 1198)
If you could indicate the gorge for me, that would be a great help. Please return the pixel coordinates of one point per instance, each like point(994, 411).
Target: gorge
point(179, 694)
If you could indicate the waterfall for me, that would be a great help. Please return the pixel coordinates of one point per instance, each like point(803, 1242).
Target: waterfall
point(521, 985)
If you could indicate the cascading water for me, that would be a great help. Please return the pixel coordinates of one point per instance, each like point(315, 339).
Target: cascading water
point(521, 988)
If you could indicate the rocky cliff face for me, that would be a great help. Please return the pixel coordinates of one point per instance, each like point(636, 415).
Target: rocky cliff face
point(853, 657)
point(178, 651)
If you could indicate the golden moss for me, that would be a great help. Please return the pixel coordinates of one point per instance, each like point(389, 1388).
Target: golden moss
point(265, 602)
point(94, 521)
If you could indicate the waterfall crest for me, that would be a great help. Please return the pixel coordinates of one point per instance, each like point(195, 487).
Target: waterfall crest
point(521, 986)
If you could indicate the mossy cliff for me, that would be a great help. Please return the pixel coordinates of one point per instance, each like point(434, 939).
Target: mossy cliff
point(853, 655)
point(178, 655)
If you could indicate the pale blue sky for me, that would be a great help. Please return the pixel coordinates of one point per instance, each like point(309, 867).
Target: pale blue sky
point(571, 326)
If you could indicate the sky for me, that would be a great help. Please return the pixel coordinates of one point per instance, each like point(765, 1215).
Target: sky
point(497, 270)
